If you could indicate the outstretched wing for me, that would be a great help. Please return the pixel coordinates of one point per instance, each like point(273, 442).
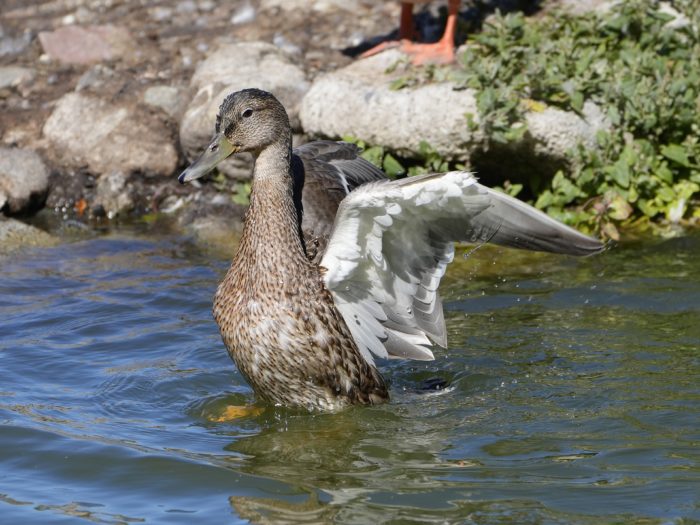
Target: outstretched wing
point(392, 242)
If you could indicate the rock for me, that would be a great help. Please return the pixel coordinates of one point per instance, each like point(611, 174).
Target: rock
point(95, 78)
point(13, 76)
point(186, 6)
point(216, 233)
point(160, 13)
point(581, 7)
point(14, 45)
point(109, 137)
point(167, 98)
point(113, 195)
point(24, 180)
point(243, 15)
point(86, 45)
point(315, 5)
point(358, 101)
point(15, 235)
point(554, 132)
point(233, 67)
point(546, 146)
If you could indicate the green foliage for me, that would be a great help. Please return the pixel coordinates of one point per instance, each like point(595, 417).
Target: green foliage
point(380, 157)
point(241, 193)
point(427, 161)
point(644, 73)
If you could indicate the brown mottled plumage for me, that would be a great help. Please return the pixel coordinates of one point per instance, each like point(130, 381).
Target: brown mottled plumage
point(276, 317)
point(304, 334)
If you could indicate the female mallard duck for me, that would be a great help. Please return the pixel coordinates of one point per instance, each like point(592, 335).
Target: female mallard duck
point(303, 332)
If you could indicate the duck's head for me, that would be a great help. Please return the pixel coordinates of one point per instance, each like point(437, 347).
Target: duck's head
point(248, 120)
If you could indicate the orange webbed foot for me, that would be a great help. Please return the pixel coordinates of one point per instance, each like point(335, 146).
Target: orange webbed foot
point(232, 412)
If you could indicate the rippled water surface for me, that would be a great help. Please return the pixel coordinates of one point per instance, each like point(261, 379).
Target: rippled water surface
point(574, 397)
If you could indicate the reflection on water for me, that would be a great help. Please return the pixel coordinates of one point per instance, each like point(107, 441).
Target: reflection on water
point(573, 397)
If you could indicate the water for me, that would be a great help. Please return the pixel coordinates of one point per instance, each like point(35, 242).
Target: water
point(574, 397)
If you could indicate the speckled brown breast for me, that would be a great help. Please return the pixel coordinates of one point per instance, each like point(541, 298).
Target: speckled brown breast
point(279, 322)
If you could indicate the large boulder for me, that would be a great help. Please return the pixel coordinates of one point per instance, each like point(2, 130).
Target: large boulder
point(233, 67)
point(107, 137)
point(358, 100)
point(24, 180)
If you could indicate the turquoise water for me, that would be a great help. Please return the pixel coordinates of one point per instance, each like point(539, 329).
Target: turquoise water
point(574, 397)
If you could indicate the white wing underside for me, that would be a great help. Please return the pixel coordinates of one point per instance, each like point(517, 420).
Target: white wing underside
point(393, 240)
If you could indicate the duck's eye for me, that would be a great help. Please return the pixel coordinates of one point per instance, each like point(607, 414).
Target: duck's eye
point(247, 113)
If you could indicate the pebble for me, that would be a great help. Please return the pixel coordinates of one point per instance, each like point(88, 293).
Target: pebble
point(13, 76)
point(243, 15)
point(24, 180)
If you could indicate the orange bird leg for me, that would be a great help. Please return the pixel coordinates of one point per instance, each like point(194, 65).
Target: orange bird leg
point(406, 32)
point(442, 51)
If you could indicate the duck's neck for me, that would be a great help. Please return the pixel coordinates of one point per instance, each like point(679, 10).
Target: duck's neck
point(271, 241)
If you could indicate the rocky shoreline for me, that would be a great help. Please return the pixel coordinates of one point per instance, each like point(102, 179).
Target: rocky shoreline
point(104, 102)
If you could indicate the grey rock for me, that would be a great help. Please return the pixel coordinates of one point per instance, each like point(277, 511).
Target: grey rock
point(10, 45)
point(233, 67)
point(358, 101)
point(206, 5)
point(186, 6)
point(13, 76)
point(219, 234)
point(15, 235)
point(24, 180)
point(109, 137)
point(95, 78)
point(285, 45)
point(160, 13)
point(244, 14)
point(167, 98)
point(314, 5)
point(554, 132)
point(86, 45)
point(581, 7)
point(113, 194)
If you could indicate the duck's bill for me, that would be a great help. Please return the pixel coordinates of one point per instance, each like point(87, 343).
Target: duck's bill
point(218, 150)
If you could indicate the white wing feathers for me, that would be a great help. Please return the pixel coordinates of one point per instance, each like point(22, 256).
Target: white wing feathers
point(392, 241)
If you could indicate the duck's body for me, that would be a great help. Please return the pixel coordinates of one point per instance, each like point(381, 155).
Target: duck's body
point(275, 314)
point(302, 332)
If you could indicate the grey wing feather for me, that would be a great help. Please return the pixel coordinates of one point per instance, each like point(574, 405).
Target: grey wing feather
point(508, 221)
